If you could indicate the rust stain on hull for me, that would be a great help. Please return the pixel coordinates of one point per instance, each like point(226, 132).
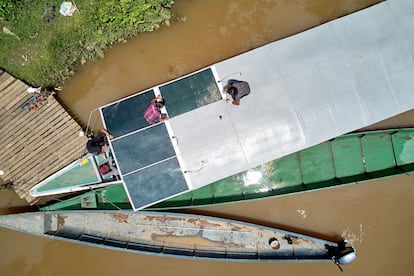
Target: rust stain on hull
point(196, 240)
point(61, 220)
point(121, 217)
point(192, 221)
point(193, 241)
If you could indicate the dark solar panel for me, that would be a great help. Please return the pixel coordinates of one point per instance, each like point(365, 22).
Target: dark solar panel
point(142, 148)
point(155, 183)
point(127, 115)
point(190, 93)
point(144, 153)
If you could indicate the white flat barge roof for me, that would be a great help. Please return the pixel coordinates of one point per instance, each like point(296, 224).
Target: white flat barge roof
point(305, 89)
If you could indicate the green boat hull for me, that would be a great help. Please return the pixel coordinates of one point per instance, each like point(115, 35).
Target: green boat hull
point(348, 159)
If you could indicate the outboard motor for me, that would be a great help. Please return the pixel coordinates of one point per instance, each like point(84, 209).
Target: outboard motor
point(345, 256)
point(342, 254)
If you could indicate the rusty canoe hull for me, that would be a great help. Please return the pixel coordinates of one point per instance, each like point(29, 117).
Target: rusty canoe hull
point(174, 235)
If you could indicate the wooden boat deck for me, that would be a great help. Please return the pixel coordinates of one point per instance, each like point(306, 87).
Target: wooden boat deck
point(34, 143)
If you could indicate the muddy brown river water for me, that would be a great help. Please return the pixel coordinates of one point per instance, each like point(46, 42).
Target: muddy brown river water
point(377, 216)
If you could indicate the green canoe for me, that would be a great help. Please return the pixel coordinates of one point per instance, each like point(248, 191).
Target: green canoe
point(348, 159)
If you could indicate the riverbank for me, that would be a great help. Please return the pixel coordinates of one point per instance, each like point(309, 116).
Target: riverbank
point(44, 48)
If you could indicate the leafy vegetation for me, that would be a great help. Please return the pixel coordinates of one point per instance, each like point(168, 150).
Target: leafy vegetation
point(42, 47)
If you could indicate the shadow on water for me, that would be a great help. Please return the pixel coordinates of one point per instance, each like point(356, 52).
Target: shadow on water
point(10, 203)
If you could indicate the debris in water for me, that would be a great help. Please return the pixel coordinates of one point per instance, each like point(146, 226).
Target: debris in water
point(351, 237)
point(302, 212)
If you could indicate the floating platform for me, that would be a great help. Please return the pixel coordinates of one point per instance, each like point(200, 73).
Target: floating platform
point(306, 89)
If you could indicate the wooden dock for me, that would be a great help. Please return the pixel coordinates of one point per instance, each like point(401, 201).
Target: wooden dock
point(36, 143)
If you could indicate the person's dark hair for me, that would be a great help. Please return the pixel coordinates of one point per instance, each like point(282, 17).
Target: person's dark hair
point(160, 103)
point(93, 146)
point(99, 143)
point(232, 91)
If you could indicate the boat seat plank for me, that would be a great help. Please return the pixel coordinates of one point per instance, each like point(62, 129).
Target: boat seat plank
point(144, 247)
point(116, 243)
point(378, 152)
point(91, 239)
point(255, 180)
point(228, 187)
point(286, 172)
point(404, 151)
point(179, 251)
point(183, 199)
point(73, 234)
point(210, 254)
point(242, 255)
point(347, 154)
point(317, 164)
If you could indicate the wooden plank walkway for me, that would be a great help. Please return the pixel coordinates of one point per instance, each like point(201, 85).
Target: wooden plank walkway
point(34, 144)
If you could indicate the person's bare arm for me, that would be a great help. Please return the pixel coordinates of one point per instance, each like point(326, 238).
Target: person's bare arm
point(103, 150)
point(104, 131)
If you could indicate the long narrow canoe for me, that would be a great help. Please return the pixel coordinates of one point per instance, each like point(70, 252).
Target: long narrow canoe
point(348, 159)
point(180, 235)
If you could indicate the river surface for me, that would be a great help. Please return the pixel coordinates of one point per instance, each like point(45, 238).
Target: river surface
point(377, 216)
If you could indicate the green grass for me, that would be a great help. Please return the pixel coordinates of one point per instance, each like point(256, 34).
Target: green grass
point(46, 53)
